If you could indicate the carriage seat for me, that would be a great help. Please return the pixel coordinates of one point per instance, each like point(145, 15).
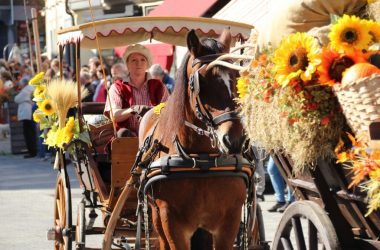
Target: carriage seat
point(93, 108)
point(123, 154)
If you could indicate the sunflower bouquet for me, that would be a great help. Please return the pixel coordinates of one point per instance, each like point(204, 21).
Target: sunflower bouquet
point(285, 107)
point(351, 65)
point(54, 99)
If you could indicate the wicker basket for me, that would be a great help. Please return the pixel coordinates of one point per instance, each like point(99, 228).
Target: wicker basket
point(360, 101)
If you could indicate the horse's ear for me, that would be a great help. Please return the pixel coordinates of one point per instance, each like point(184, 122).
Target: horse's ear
point(193, 43)
point(225, 38)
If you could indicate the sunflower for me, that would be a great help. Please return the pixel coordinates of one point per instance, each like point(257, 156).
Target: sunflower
point(374, 30)
point(349, 33)
point(70, 124)
point(333, 64)
point(242, 84)
point(67, 135)
point(47, 107)
point(39, 91)
point(297, 56)
point(37, 79)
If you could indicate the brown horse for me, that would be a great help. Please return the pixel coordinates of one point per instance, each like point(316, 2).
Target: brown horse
point(199, 118)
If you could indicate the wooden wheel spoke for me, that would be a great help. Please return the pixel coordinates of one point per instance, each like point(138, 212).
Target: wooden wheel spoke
point(298, 233)
point(313, 236)
point(287, 245)
point(59, 209)
point(60, 215)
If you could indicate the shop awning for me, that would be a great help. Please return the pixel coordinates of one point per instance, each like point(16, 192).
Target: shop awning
point(193, 8)
point(162, 53)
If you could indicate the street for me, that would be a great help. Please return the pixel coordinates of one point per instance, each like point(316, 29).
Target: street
point(27, 188)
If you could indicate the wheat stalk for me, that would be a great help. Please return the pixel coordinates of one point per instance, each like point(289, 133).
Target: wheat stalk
point(64, 95)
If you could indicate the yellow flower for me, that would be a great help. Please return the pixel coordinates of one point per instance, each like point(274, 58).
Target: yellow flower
point(70, 123)
point(39, 91)
point(297, 56)
point(242, 85)
point(349, 33)
point(157, 109)
point(374, 30)
point(51, 138)
point(67, 132)
point(37, 115)
point(47, 107)
point(67, 136)
point(37, 79)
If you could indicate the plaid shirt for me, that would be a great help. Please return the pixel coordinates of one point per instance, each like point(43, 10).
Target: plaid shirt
point(140, 97)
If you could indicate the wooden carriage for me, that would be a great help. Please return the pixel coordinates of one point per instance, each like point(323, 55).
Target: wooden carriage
point(326, 214)
point(103, 170)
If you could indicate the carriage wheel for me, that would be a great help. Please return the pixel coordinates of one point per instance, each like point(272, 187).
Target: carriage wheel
point(305, 225)
point(80, 229)
point(63, 239)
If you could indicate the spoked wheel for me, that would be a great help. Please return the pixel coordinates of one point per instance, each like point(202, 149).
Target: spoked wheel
point(80, 231)
point(305, 226)
point(62, 215)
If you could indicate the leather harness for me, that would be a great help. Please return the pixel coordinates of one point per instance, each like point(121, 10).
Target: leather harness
point(183, 165)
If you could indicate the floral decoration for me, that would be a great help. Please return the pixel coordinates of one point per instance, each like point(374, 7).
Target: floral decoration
point(289, 106)
point(364, 164)
point(286, 108)
point(54, 99)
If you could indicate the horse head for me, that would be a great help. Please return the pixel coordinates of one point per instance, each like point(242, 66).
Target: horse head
point(212, 91)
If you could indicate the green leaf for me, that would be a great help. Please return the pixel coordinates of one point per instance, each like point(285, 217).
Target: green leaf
point(85, 137)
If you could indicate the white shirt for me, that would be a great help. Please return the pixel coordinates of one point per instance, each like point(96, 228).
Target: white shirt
point(25, 103)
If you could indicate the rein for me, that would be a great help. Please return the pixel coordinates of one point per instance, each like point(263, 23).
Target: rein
point(200, 112)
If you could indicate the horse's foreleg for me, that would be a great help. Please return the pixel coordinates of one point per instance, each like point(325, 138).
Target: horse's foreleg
point(164, 245)
point(224, 237)
point(176, 233)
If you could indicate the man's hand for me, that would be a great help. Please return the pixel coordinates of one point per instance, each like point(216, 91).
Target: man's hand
point(140, 109)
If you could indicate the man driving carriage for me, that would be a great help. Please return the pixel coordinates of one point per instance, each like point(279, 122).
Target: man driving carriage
point(132, 98)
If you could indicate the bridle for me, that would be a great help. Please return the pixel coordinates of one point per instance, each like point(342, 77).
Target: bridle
point(200, 112)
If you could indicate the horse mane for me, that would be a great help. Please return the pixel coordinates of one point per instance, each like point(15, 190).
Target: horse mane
point(174, 112)
point(173, 116)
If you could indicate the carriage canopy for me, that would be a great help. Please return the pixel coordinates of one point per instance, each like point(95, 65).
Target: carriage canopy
point(118, 32)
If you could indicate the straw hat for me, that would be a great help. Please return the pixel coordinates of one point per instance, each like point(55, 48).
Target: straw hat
point(138, 48)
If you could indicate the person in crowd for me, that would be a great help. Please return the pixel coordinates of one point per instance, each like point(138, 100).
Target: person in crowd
point(85, 80)
point(49, 74)
point(157, 72)
point(100, 94)
point(93, 63)
point(119, 71)
point(24, 114)
point(7, 79)
point(4, 65)
point(132, 98)
point(279, 188)
point(54, 65)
